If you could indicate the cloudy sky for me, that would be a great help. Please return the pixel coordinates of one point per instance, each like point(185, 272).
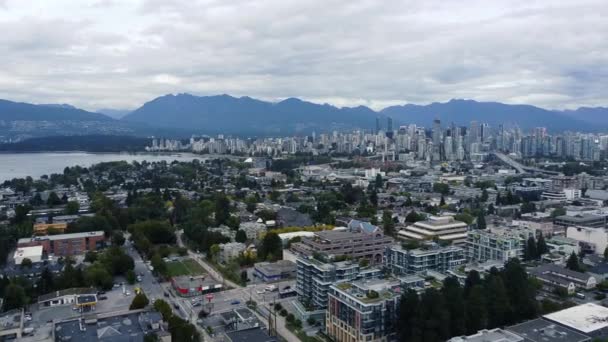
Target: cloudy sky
point(121, 53)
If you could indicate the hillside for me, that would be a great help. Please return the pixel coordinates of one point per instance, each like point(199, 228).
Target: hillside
point(227, 114)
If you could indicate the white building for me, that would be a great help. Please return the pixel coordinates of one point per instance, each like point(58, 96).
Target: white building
point(33, 253)
point(593, 239)
point(231, 250)
point(444, 228)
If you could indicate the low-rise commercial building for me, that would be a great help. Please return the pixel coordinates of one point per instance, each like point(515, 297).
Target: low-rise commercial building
point(11, 325)
point(130, 326)
point(186, 286)
point(554, 276)
point(590, 239)
point(361, 311)
point(34, 254)
point(586, 220)
point(275, 271)
point(47, 228)
point(588, 319)
point(433, 258)
point(82, 296)
point(443, 228)
point(66, 244)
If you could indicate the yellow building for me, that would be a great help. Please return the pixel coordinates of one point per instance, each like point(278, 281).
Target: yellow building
point(44, 228)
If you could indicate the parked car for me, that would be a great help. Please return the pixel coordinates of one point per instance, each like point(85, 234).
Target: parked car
point(197, 304)
point(235, 302)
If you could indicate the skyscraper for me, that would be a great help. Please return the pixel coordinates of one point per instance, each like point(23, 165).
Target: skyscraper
point(378, 128)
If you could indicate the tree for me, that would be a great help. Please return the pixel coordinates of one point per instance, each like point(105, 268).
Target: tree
point(453, 295)
point(441, 188)
point(498, 199)
point(484, 195)
point(116, 261)
point(72, 208)
point(558, 212)
point(131, 277)
point(241, 236)
point(521, 291)
point(481, 220)
point(572, 263)
point(222, 209)
point(413, 216)
point(158, 264)
point(164, 308)
point(473, 279)
point(528, 207)
point(408, 320)
point(442, 201)
point(387, 223)
point(14, 297)
point(435, 319)
point(378, 182)
point(53, 200)
point(139, 302)
point(26, 263)
point(98, 276)
point(214, 251)
point(272, 247)
point(46, 283)
point(118, 238)
point(541, 246)
point(530, 252)
point(606, 254)
point(182, 331)
point(244, 277)
point(498, 305)
point(476, 314)
point(90, 256)
point(373, 197)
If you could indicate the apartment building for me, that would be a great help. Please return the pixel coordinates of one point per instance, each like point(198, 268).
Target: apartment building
point(498, 244)
point(314, 277)
point(364, 310)
point(442, 228)
point(431, 258)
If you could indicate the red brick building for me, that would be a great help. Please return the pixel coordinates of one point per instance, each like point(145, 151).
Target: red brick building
point(66, 244)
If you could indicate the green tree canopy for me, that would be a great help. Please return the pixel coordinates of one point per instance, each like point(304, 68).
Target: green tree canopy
point(139, 302)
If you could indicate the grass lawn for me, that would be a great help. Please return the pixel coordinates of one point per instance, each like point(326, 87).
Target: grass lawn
point(194, 267)
point(184, 267)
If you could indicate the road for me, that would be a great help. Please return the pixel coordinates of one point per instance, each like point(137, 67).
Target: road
point(521, 168)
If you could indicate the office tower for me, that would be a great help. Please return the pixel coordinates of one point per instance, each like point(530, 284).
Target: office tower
point(437, 140)
point(378, 128)
point(389, 124)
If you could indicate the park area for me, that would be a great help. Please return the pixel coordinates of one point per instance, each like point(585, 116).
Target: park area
point(187, 267)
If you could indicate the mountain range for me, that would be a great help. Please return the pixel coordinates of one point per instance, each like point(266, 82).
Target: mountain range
point(185, 114)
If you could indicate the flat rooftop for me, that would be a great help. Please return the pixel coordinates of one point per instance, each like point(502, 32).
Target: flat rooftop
point(542, 330)
point(585, 318)
point(276, 267)
point(250, 335)
point(10, 320)
point(494, 335)
point(117, 328)
point(62, 236)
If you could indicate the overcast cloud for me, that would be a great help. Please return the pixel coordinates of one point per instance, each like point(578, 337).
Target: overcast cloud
point(119, 54)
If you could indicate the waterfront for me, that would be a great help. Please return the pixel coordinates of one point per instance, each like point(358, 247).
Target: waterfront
point(20, 165)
